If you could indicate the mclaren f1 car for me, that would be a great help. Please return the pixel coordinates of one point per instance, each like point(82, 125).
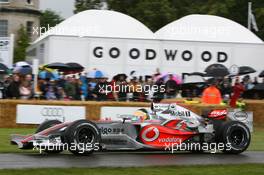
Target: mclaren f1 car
point(160, 127)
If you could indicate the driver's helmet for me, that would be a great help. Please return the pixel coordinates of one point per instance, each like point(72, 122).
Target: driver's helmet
point(172, 107)
point(141, 114)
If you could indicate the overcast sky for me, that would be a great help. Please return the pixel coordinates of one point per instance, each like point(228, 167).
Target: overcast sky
point(63, 7)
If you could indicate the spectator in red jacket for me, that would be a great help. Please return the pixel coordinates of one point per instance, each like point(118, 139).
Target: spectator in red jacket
point(238, 89)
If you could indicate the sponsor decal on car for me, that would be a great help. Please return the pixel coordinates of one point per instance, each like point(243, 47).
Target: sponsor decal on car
point(217, 113)
point(106, 131)
point(150, 134)
point(181, 113)
point(172, 140)
point(160, 107)
point(241, 116)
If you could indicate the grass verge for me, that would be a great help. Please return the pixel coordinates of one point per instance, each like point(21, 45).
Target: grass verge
point(243, 169)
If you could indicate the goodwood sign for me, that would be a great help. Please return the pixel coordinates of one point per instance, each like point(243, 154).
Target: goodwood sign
point(167, 54)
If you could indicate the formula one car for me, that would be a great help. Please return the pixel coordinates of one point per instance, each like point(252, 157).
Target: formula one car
point(161, 127)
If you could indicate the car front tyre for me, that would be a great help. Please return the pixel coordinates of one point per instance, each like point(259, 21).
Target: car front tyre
point(45, 125)
point(82, 137)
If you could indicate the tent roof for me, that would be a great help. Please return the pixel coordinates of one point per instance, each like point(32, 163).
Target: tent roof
point(101, 23)
point(206, 28)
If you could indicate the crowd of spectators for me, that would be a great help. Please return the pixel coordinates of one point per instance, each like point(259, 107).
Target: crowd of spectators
point(79, 87)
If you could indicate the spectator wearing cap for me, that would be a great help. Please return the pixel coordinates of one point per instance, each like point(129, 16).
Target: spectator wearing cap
point(212, 95)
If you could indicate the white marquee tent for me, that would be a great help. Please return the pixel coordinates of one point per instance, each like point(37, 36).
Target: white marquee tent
point(101, 23)
point(206, 28)
point(115, 43)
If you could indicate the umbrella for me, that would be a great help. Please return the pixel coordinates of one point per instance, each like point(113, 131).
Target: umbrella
point(243, 70)
point(96, 74)
point(60, 66)
point(43, 68)
point(117, 77)
point(196, 73)
point(216, 70)
point(3, 69)
point(49, 75)
point(165, 77)
point(23, 70)
point(21, 64)
point(75, 67)
point(261, 74)
point(193, 79)
point(133, 74)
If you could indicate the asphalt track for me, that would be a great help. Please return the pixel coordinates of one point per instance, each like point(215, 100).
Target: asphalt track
point(124, 159)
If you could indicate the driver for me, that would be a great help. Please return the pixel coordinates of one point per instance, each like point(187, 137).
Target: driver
point(142, 114)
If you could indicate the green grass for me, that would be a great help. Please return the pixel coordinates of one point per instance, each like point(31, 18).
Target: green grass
point(257, 142)
point(5, 133)
point(244, 169)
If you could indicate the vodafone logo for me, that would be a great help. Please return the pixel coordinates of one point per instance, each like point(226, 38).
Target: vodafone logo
point(150, 134)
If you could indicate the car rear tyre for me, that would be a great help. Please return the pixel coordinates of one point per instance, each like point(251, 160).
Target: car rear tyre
point(236, 137)
point(45, 125)
point(83, 137)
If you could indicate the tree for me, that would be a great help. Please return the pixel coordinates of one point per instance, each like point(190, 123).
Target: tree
point(121, 5)
point(157, 13)
point(50, 18)
point(22, 42)
point(231, 9)
point(81, 5)
point(258, 10)
point(153, 13)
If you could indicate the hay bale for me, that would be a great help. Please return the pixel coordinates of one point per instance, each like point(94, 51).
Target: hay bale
point(93, 109)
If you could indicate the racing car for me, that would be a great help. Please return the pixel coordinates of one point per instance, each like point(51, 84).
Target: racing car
point(160, 127)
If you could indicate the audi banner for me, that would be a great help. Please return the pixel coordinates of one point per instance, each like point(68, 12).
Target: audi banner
point(36, 114)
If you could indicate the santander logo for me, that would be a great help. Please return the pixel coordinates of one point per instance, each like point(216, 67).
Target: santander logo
point(217, 113)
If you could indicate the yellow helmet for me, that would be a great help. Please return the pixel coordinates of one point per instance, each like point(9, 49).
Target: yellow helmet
point(142, 114)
